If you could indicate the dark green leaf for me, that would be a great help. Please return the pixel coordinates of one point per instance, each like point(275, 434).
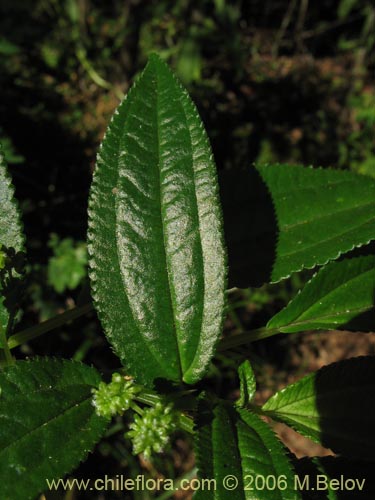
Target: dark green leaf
point(157, 260)
point(340, 295)
point(247, 383)
point(321, 213)
point(238, 443)
point(47, 423)
point(286, 218)
point(334, 406)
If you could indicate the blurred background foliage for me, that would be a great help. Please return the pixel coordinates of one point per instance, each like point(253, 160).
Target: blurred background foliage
point(274, 80)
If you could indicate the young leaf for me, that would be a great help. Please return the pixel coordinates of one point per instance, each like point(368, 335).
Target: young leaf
point(157, 259)
point(339, 295)
point(11, 232)
point(238, 445)
point(47, 423)
point(247, 383)
point(334, 406)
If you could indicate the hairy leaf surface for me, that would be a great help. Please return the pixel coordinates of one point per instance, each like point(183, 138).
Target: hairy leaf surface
point(247, 383)
point(11, 231)
point(342, 294)
point(334, 406)
point(157, 259)
point(47, 423)
point(237, 443)
point(11, 235)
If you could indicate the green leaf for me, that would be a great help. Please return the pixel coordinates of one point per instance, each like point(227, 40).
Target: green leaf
point(47, 423)
point(334, 407)
point(67, 267)
point(287, 218)
point(156, 255)
point(339, 295)
point(247, 383)
point(321, 214)
point(238, 443)
point(11, 236)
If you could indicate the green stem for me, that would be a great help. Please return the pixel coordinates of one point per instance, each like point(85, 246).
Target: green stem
point(186, 423)
point(94, 75)
point(246, 338)
point(136, 408)
point(35, 331)
point(149, 398)
point(6, 351)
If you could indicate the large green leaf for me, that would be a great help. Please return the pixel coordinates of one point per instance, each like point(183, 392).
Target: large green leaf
point(240, 452)
point(334, 406)
point(340, 295)
point(321, 213)
point(157, 259)
point(11, 233)
point(47, 423)
point(286, 218)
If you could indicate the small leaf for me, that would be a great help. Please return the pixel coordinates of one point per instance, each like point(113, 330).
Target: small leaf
point(157, 260)
point(247, 383)
point(239, 444)
point(334, 406)
point(67, 267)
point(339, 295)
point(47, 423)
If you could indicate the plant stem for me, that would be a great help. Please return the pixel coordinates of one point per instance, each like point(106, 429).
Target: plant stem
point(136, 408)
point(35, 331)
point(6, 351)
point(148, 398)
point(246, 338)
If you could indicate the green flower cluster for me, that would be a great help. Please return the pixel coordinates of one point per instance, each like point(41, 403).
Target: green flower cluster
point(150, 433)
point(116, 397)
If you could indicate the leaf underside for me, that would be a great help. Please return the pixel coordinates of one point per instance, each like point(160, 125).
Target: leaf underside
point(238, 443)
point(341, 295)
point(47, 423)
point(334, 407)
point(11, 230)
point(11, 235)
point(157, 258)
